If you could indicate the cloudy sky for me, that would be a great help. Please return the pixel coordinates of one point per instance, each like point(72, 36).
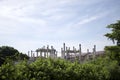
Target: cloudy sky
point(30, 24)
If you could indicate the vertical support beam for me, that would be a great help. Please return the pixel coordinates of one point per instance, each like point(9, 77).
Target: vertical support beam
point(52, 52)
point(87, 54)
point(52, 48)
point(94, 52)
point(62, 53)
point(95, 49)
point(66, 53)
point(64, 50)
point(69, 53)
point(44, 51)
point(44, 54)
point(37, 53)
point(80, 53)
point(47, 50)
point(40, 53)
point(56, 54)
point(31, 54)
point(28, 53)
point(75, 53)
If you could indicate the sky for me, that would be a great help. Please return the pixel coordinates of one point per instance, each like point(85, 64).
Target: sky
point(30, 24)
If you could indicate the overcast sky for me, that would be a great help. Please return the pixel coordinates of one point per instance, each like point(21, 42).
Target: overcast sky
point(30, 24)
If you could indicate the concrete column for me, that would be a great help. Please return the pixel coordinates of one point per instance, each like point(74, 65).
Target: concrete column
point(64, 50)
point(75, 52)
point(95, 49)
point(80, 53)
point(52, 49)
point(47, 50)
point(94, 52)
point(56, 54)
point(87, 54)
point(62, 55)
point(66, 53)
point(69, 53)
point(40, 53)
point(52, 52)
point(28, 53)
point(45, 54)
point(33, 56)
point(31, 53)
point(37, 53)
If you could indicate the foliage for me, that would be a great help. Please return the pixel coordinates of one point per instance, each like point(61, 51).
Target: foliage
point(11, 53)
point(7, 70)
point(115, 34)
point(113, 52)
point(58, 69)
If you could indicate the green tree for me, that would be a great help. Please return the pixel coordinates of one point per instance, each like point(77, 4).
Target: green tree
point(10, 53)
point(6, 52)
point(115, 34)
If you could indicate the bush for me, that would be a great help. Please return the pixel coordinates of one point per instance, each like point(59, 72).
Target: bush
point(58, 69)
point(113, 52)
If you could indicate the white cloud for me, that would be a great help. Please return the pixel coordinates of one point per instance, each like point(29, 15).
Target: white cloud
point(91, 18)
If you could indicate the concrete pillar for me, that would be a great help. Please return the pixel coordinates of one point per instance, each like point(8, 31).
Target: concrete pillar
point(37, 53)
point(62, 55)
point(69, 53)
point(75, 52)
point(52, 52)
point(28, 53)
point(87, 54)
point(80, 53)
point(56, 54)
point(94, 52)
point(47, 50)
point(95, 49)
point(31, 53)
point(40, 53)
point(45, 54)
point(52, 48)
point(33, 57)
point(66, 53)
point(64, 50)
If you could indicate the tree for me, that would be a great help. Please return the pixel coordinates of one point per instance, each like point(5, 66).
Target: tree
point(115, 34)
point(7, 52)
